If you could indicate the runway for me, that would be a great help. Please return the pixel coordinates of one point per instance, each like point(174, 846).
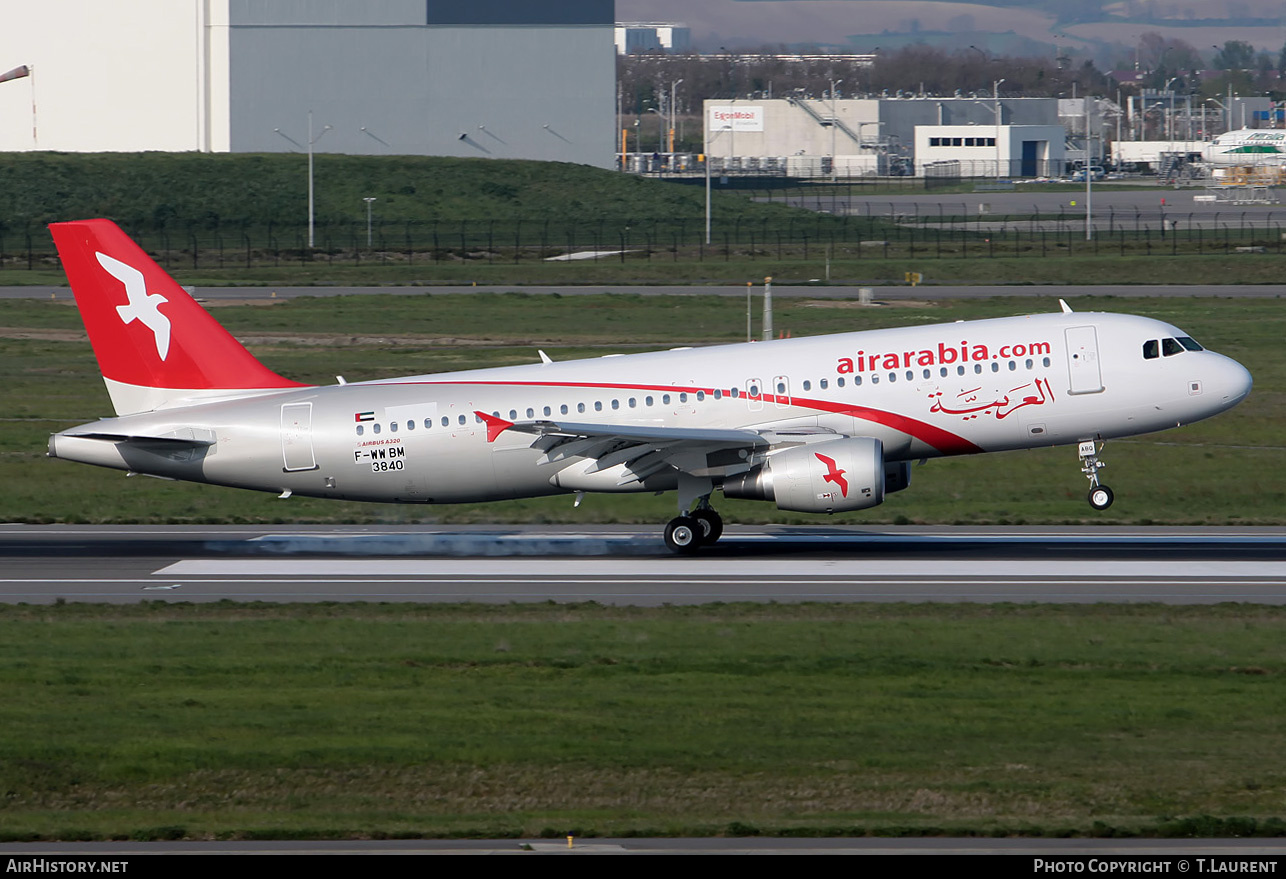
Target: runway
point(628, 565)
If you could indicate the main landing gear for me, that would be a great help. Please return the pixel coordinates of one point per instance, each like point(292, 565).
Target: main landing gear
point(1100, 496)
point(702, 527)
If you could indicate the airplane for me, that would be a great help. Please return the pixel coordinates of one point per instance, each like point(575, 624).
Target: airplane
point(827, 424)
point(1247, 146)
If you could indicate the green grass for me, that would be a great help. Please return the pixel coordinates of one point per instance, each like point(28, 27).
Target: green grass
point(152, 190)
point(358, 720)
point(1225, 470)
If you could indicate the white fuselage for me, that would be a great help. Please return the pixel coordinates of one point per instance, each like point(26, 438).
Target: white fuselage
point(1247, 146)
point(947, 389)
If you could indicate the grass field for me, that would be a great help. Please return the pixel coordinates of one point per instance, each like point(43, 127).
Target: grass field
point(376, 720)
point(1225, 470)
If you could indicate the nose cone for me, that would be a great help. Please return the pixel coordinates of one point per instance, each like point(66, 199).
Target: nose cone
point(1231, 381)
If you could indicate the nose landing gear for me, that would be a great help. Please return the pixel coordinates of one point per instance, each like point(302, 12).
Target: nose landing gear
point(1100, 496)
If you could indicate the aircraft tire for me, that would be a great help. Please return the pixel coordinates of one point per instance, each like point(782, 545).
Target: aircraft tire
point(683, 535)
point(1101, 497)
point(711, 525)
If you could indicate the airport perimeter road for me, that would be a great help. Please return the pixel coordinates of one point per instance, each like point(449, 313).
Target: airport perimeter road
point(1049, 293)
point(628, 566)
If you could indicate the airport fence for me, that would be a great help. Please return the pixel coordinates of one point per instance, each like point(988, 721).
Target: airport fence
point(873, 230)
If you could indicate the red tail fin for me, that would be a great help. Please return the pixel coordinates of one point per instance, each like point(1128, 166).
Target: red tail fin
point(156, 346)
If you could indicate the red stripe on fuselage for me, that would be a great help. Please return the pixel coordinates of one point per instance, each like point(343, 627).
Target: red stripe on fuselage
point(944, 441)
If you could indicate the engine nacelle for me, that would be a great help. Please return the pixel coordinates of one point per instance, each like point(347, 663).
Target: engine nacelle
point(830, 477)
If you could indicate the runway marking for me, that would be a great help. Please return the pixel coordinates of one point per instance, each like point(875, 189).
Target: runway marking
point(753, 569)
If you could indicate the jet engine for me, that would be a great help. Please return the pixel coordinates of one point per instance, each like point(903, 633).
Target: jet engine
point(828, 477)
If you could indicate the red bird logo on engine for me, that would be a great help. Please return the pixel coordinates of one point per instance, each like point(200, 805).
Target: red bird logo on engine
point(835, 475)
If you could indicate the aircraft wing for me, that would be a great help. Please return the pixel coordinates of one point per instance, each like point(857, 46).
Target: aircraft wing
point(641, 449)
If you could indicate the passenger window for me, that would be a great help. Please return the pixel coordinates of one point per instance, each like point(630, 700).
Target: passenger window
point(531, 413)
point(893, 376)
point(513, 414)
point(598, 405)
point(360, 430)
point(683, 398)
point(461, 419)
point(824, 384)
point(445, 421)
point(392, 427)
point(428, 422)
point(580, 407)
point(808, 386)
point(701, 395)
point(1151, 349)
point(633, 403)
point(548, 412)
point(616, 404)
point(563, 409)
point(857, 380)
point(410, 425)
point(718, 393)
point(647, 401)
point(839, 382)
point(1169, 347)
point(665, 399)
point(375, 428)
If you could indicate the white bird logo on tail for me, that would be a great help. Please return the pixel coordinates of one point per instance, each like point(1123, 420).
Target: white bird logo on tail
point(143, 306)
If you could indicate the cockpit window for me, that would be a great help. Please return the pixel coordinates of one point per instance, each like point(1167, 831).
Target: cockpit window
point(1190, 343)
point(1170, 347)
point(1151, 349)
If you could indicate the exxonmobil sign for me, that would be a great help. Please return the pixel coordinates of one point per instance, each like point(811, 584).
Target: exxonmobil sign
point(731, 117)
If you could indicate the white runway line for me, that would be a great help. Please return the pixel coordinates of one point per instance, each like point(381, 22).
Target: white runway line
point(742, 569)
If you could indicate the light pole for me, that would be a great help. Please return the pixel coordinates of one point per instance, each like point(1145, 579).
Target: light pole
point(834, 125)
point(995, 97)
point(368, 199)
point(311, 140)
point(673, 88)
point(1089, 191)
point(708, 142)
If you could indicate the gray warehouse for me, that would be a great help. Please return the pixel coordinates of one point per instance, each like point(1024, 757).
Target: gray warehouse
point(486, 78)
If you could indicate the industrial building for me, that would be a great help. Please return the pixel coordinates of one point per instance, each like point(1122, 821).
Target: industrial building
point(485, 78)
point(803, 137)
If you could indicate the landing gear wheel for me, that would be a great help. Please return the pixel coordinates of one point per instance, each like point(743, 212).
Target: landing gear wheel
point(683, 535)
point(711, 525)
point(1101, 497)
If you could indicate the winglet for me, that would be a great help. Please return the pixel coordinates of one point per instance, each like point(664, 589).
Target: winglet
point(495, 426)
point(1067, 309)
